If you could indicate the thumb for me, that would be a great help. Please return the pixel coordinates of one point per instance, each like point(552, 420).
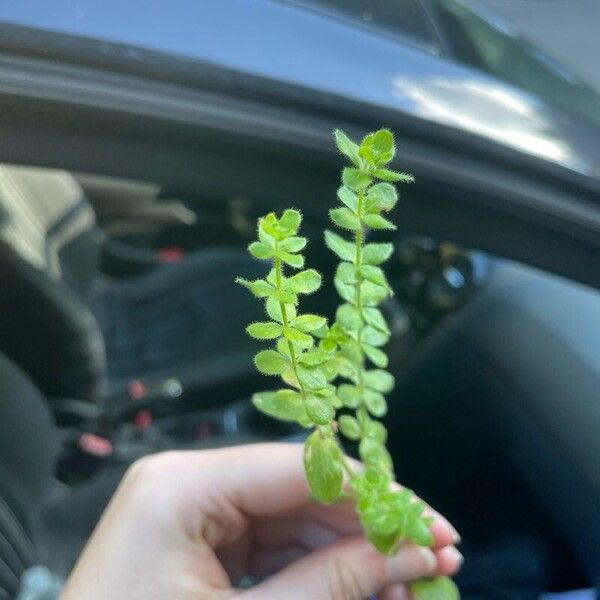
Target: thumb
point(349, 569)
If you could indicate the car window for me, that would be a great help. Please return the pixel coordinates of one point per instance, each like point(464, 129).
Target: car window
point(479, 39)
point(406, 19)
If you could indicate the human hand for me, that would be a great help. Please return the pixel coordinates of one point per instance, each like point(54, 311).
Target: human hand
point(189, 525)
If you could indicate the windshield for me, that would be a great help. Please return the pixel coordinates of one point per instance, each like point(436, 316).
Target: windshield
point(470, 35)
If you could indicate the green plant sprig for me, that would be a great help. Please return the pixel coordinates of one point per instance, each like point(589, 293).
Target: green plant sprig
point(309, 355)
point(360, 330)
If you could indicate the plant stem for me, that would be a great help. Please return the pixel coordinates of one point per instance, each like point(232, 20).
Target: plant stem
point(358, 264)
point(347, 467)
point(278, 281)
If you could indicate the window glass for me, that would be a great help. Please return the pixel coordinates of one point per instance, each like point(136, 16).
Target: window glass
point(405, 18)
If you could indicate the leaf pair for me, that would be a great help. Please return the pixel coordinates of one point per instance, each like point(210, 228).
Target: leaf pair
point(372, 254)
point(376, 150)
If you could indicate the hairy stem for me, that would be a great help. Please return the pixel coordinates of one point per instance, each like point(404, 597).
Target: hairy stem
point(358, 263)
point(351, 474)
point(293, 358)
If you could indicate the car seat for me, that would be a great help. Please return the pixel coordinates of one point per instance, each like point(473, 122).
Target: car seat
point(28, 451)
point(79, 333)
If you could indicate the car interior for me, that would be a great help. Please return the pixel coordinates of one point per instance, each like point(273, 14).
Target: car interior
point(135, 160)
point(123, 335)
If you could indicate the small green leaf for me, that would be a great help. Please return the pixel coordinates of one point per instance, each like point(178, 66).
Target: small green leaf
point(292, 244)
point(308, 323)
point(379, 380)
point(337, 244)
point(369, 449)
point(363, 418)
point(260, 288)
point(272, 277)
point(260, 250)
point(351, 350)
point(285, 296)
point(294, 260)
point(290, 222)
point(386, 544)
point(378, 148)
point(330, 369)
point(376, 430)
point(346, 272)
point(350, 395)
point(315, 357)
point(387, 175)
point(297, 337)
point(348, 197)
point(283, 347)
point(374, 275)
point(264, 331)
point(372, 294)
point(345, 218)
point(375, 355)
point(440, 588)
point(375, 403)
point(268, 229)
point(349, 427)
point(378, 222)
point(346, 146)
point(346, 291)
point(270, 362)
point(335, 402)
point(319, 410)
point(290, 378)
point(381, 196)
point(265, 238)
point(283, 404)
point(374, 317)
point(374, 454)
point(327, 392)
point(273, 308)
point(312, 379)
point(375, 254)
point(418, 531)
point(305, 282)
point(322, 332)
point(355, 179)
point(374, 337)
point(323, 467)
point(349, 317)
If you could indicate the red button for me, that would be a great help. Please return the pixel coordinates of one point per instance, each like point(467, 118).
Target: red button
point(171, 254)
point(95, 445)
point(136, 389)
point(143, 419)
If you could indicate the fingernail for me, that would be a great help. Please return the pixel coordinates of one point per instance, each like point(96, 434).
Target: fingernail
point(455, 555)
point(456, 539)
